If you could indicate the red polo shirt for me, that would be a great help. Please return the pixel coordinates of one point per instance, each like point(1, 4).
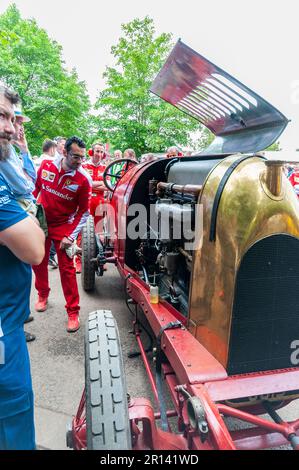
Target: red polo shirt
point(65, 196)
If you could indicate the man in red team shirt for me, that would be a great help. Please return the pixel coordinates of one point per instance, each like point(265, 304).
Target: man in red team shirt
point(95, 167)
point(65, 190)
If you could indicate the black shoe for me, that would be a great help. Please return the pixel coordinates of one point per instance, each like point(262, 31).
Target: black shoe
point(29, 337)
point(29, 319)
point(52, 263)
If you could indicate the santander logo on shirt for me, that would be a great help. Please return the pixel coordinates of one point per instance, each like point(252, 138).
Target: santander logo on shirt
point(57, 193)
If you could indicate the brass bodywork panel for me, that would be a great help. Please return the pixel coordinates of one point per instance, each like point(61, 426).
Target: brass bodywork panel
point(247, 213)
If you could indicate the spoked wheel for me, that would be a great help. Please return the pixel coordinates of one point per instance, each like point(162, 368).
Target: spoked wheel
point(107, 418)
point(115, 171)
point(89, 251)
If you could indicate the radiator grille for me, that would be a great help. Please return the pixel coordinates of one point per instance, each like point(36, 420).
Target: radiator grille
point(265, 320)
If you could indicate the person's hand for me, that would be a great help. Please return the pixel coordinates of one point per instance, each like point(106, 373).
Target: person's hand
point(21, 142)
point(98, 186)
point(65, 243)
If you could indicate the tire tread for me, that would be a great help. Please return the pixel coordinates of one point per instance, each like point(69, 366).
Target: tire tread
point(89, 251)
point(107, 419)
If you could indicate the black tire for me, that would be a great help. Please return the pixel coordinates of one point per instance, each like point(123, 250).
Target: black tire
point(89, 251)
point(107, 417)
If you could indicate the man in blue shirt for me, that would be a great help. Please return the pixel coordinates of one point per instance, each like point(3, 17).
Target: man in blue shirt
point(19, 174)
point(21, 244)
point(19, 171)
point(21, 142)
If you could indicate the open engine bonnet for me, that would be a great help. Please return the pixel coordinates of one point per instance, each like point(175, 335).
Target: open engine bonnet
point(240, 119)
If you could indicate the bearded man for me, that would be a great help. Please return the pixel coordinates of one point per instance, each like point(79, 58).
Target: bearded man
point(21, 244)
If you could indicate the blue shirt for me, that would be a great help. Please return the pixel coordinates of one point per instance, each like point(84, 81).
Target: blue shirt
point(29, 166)
point(15, 276)
point(12, 171)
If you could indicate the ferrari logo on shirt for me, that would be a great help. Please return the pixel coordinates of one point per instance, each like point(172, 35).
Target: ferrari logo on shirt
point(70, 185)
point(48, 176)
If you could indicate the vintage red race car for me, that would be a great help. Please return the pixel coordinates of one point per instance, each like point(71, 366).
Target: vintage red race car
point(212, 266)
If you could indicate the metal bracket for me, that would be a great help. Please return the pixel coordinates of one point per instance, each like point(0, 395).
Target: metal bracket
point(196, 413)
point(197, 417)
point(169, 326)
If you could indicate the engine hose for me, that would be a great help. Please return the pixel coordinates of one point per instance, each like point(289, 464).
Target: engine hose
point(169, 165)
point(145, 275)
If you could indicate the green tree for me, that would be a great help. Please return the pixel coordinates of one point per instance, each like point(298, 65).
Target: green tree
point(31, 63)
point(274, 147)
point(129, 115)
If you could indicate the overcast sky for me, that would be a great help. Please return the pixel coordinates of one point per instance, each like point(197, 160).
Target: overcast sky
point(256, 41)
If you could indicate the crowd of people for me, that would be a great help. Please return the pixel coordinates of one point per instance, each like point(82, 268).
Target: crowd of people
point(44, 204)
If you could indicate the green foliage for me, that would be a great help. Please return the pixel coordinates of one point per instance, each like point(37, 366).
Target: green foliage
point(274, 147)
point(31, 63)
point(58, 104)
point(130, 116)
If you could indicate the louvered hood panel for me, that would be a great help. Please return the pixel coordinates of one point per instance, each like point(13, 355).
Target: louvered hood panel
point(241, 120)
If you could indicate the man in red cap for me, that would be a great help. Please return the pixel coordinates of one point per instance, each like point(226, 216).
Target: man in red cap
point(65, 190)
